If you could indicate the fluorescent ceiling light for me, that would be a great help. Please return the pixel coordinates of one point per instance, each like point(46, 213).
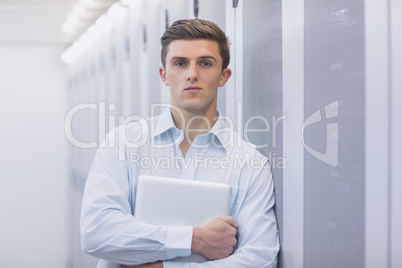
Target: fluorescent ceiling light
point(73, 20)
point(128, 2)
point(97, 3)
point(90, 3)
point(78, 20)
point(117, 11)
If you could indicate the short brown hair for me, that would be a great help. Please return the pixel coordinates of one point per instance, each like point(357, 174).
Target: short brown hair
point(196, 29)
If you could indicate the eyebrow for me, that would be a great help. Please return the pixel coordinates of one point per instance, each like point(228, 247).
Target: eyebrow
point(178, 58)
point(202, 58)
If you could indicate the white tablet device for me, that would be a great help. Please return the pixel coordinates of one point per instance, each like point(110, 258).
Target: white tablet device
point(179, 202)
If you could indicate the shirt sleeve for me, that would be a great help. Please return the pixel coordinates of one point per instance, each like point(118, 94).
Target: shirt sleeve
point(109, 230)
point(258, 240)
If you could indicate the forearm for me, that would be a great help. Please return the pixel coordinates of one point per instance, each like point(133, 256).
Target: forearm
point(147, 265)
point(242, 258)
point(110, 232)
point(128, 241)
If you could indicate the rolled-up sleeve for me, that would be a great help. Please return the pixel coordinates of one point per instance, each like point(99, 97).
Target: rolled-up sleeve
point(108, 229)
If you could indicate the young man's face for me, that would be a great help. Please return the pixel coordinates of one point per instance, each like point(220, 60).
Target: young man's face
point(193, 73)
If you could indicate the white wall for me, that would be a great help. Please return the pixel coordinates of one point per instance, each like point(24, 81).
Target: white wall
point(33, 158)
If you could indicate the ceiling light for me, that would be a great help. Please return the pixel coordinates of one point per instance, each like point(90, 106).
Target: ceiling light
point(90, 3)
point(73, 20)
point(128, 2)
point(116, 11)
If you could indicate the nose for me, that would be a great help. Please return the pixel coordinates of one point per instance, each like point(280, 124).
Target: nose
point(192, 75)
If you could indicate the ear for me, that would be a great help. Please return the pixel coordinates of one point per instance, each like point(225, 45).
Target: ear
point(226, 74)
point(162, 73)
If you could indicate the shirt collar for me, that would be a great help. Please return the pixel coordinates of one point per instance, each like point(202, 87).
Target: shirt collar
point(164, 122)
point(222, 132)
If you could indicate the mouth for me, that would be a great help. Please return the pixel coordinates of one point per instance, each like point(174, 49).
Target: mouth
point(192, 89)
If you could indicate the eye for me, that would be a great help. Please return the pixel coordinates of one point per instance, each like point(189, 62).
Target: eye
point(180, 63)
point(206, 63)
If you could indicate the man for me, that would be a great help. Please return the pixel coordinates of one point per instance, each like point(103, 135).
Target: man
point(195, 56)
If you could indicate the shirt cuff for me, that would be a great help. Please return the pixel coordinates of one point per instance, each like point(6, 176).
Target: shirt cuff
point(175, 264)
point(178, 241)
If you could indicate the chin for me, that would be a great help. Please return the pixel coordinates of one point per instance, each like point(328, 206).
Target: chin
point(195, 107)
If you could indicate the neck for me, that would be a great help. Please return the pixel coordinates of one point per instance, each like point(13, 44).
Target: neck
point(194, 123)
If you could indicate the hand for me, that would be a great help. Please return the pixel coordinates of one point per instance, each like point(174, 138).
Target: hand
point(215, 239)
point(158, 264)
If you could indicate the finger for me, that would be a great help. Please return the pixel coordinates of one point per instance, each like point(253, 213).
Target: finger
point(229, 220)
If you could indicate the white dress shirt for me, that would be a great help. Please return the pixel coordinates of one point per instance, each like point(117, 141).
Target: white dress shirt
point(109, 230)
